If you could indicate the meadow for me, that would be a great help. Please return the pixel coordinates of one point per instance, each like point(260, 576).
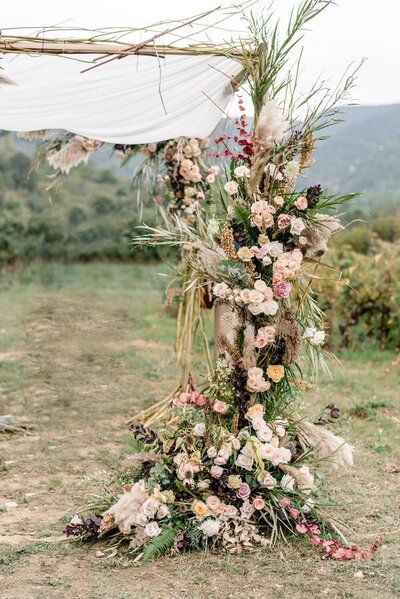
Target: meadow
point(85, 346)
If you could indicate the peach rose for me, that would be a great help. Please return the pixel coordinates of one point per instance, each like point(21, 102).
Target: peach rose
point(255, 410)
point(258, 503)
point(301, 203)
point(276, 372)
point(200, 509)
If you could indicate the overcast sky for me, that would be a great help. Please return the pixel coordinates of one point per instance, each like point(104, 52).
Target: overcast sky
point(351, 30)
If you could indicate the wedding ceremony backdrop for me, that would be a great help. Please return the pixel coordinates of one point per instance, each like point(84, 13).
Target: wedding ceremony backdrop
point(228, 459)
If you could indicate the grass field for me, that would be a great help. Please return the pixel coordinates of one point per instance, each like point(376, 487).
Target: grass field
point(82, 348)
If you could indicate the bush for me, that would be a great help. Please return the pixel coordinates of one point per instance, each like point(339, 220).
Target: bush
point(364, 304)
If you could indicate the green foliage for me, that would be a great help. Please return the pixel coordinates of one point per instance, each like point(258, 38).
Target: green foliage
point(91, 215)
point(158, 475)
point(369, 408)
point(364, 305)
point(132, 445)
point(157, 546)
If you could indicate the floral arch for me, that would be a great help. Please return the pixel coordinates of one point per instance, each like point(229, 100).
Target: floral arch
point(232, 462)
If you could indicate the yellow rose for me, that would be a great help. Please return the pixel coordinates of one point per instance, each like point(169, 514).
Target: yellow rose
point(200, 509)
point(234, 481)
point(276, 372)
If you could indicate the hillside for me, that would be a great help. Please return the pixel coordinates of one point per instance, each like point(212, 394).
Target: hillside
point(363, 155)
point(92, 212)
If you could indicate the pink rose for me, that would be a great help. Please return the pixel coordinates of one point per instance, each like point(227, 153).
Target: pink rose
point(258, 503)
point(265, 336)
point(200, 196)
point(201, 400)
point(216, 471)
point(211, 178)
point(282, 289)
point(244, 491)
point(301, 203)
point(213, 503)
point(285, 503)
point(284, 221)
point(220, 407)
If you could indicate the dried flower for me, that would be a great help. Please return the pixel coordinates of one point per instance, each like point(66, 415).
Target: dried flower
point(210, 527)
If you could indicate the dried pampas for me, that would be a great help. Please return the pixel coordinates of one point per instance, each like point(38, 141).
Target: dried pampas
point(271, 127)
point(76, 151)
point(126, 512)
point(302, 476)
point(319, 234)
point(33, 135)
point(325, 444)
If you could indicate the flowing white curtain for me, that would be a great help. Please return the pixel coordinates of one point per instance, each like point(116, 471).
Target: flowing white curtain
point(137, 99)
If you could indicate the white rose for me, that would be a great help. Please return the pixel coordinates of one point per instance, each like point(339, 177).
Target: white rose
point(258, 422)
point(242, 171)
point(260, 285)
point(199, 429)
point(220, 290)
point(297, 226)
point(256, 297)
point(264, 434)
point(231, 187)
point(152, 529)
point(281, 455)
point(266, 480)
point(150, 507)
point(256, 309)
point(247, 510)
point(270, 307)
point(266, 261)
point(212, 452)
point(216, 471)
point(275, 248)
point(244, 461)
point(163, 512)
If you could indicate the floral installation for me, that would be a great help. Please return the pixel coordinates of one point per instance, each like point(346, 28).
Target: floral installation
point(181, 178)
point(238, 467)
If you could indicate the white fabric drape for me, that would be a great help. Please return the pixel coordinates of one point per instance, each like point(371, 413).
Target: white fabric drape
point(138, 99)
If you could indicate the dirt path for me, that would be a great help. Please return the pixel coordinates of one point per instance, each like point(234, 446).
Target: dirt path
point(81, 353)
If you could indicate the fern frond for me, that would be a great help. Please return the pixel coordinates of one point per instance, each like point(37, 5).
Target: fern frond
point(132, 445)
point(157, 546)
